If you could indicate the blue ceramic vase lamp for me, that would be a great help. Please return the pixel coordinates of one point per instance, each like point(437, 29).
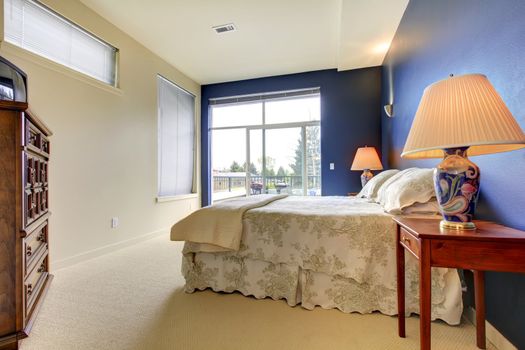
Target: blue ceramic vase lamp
point(459, 117)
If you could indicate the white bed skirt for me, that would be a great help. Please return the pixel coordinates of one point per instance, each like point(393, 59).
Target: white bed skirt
point(227, 272)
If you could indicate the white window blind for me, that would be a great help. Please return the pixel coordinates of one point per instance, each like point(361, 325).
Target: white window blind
point(176, 139)
point(36, 28)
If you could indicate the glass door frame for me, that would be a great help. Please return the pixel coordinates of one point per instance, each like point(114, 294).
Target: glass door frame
point(263, 128)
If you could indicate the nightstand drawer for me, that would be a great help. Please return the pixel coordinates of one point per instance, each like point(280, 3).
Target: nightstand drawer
point(409, 242)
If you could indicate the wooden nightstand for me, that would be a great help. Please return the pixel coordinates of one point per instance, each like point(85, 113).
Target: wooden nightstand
point(490, 247)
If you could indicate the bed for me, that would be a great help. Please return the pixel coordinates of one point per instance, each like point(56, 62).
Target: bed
point(332, 252)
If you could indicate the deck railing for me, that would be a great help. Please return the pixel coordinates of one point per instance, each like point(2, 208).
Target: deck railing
point(229, 183)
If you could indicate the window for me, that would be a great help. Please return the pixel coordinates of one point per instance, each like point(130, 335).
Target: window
point(36, 28)
point(176, 139)
point(267, 143)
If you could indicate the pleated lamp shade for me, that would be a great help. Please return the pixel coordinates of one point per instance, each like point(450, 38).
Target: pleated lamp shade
point(459, 112)
point(366, 158)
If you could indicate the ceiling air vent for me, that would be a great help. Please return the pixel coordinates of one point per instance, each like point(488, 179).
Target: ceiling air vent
point(230, 27)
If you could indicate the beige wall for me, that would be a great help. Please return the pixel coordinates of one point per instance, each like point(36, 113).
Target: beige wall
point(104, 147)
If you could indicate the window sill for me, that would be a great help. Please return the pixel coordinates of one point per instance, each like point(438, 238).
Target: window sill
point(177, 198)
point(57, 67)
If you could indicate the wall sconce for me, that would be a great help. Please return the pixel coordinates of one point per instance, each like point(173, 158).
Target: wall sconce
point(389, 110)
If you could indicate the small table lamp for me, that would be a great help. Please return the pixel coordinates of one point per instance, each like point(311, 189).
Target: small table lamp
point(366, 159)
point(456, 117)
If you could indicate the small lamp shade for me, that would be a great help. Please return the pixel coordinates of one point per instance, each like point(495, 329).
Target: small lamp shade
point(462, 111)
point(366, 158)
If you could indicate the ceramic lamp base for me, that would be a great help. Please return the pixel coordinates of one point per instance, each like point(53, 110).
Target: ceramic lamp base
point(456, 181)
point(366, 176)
point(450, 225)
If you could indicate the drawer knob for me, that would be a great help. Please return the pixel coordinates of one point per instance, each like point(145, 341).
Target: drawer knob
point(41, 237)
point(29, 251)
point(42, 268)
point(29, 289)
point(406, 239)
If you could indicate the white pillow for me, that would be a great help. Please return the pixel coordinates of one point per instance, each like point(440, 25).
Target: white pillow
point(415, 186)
point(382, 191)
point(428, 208)
point(372, 187)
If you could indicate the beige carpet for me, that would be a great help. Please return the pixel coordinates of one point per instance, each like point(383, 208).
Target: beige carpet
point(133, 299)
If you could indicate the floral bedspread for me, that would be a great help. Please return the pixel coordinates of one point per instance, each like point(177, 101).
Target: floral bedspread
point(348, 243)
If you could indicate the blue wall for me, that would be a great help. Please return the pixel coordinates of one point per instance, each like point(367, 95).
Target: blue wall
point(350, 118)
point(434, 39)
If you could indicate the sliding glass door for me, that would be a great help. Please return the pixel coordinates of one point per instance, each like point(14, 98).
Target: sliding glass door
point(228, 154)
point(270, 146)
point(289, 157)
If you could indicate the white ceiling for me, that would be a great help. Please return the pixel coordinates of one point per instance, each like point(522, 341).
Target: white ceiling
point(273, 37)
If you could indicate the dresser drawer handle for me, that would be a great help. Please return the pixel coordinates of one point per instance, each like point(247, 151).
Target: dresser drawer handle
point(41, 237)
point(406, 239)
point(29, 251)
point(42, 268)
point(29, 289)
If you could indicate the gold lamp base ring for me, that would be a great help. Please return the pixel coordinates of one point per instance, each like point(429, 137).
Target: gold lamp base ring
point(450, 225)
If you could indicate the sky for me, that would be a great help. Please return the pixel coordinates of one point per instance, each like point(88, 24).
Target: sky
point(230, 145)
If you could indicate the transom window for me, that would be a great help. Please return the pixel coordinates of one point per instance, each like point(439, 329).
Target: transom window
point(32, 26)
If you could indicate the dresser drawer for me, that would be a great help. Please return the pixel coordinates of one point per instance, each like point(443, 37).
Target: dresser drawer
point(44, 145)
point(43, 173)
point(410, 242)
point(43, 201)
point(31, 170)
point(33, 285)
point(35, 204)
point(30, 206)
point(36, 174)
point(35, 140)
point(34, 247)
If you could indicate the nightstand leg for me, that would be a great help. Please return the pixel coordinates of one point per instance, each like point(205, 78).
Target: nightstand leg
point(425, 295)
point(400, 286)
point(479, 291)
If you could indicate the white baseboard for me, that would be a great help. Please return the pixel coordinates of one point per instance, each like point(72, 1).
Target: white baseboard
point(493, 335)
point(90, 254)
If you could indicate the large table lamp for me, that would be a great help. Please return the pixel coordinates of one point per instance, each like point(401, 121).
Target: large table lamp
point(458, 117)
point(366, 159)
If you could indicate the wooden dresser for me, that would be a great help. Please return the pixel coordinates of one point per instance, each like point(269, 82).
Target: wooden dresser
point(24, 214)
